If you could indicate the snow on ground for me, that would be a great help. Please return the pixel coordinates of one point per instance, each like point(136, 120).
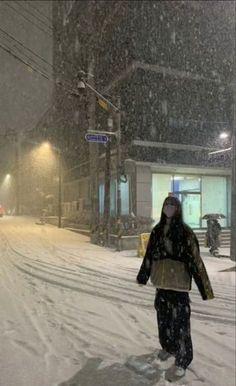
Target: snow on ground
point(72, 313)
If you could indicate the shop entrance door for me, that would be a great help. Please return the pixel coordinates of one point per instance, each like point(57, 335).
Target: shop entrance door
point(191, 204)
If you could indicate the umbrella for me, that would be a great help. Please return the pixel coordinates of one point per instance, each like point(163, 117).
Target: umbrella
point(213, 216)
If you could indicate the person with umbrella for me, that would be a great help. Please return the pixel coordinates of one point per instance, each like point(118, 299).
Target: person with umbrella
point(213, 232)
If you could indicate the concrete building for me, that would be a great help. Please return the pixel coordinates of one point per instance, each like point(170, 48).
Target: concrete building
point(171, 65)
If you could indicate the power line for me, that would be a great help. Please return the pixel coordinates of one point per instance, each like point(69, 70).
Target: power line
point(26, 56)
point(39, 12)
point(22, 45)
point(44, 74)
point(31, 14)
point(62, 84)
point(30, 21)
point(23, 61)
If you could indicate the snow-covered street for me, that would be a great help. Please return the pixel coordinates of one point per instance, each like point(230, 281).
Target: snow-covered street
point(72, 313)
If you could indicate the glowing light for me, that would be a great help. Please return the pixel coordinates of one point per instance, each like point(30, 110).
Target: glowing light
point(224, 135)
point(7, 181)
point(46, 145)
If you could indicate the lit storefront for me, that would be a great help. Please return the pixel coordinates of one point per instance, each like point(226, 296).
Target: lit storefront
point(199, 194)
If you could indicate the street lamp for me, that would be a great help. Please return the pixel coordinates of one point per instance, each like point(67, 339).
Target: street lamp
point(44, 149)
point(224, 135)
point(43, 146)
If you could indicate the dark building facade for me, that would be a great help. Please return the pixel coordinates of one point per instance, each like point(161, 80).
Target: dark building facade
point(171, 63)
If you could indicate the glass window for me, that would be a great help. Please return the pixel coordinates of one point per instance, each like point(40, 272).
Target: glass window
point(101, 198)
point(214, 197)
point(187, 188)
point(113, 197)
point(229, 187)
point(124, 187)
point(191, 206)
point(161, 187)
point(191, 184)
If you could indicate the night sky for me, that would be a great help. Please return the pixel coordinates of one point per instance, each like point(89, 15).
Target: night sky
point(24, 94)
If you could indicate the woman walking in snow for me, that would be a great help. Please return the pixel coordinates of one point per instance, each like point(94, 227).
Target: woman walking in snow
point(172, 258)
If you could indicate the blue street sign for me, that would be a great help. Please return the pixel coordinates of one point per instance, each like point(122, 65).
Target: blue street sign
point(100, 138)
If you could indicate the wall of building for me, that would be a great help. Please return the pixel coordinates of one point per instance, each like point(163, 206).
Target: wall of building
point(176, 90)
point(144, 191)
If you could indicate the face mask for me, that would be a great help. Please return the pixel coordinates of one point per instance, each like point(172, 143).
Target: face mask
point(169, 210)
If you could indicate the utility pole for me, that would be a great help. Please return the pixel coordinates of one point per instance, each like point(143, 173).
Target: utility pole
point(233, 176)
point(18, 172)
point(233, 201)
point(93, 155)
point(59, 187)
point(233, 181)
point(107, 183)
point(107, 190)
point(95, 213)
point(118, 177)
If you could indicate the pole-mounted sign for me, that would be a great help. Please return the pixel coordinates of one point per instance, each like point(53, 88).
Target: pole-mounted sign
point(99, 138)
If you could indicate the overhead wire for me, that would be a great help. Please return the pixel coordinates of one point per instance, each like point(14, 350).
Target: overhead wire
point(32, 14)
point(39, 12)
point(68, 86)
point(30, 21)
point(26, 63)
point(64, 84)
point(24, 47)
point(46, 75)
point(9, 51)
point(32, 60)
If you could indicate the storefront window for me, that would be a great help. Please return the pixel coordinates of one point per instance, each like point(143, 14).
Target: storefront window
point(229, 187)
point(161, 187)
point(186, 184)
point(124, 187)
point(187, 189)
point(198, 195)
point(191, 205)
point(214, 197)
point(101, 198)
point(113, 197)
